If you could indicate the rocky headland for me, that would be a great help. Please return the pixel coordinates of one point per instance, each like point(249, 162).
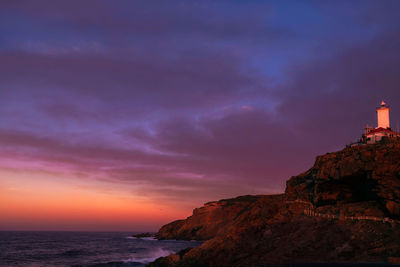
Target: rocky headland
point(345, 209)
point(144, 235)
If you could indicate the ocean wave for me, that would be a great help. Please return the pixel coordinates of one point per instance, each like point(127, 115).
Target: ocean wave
point(73, 253)
point(151, 255)
point(143, 238)
point(113, 264)
point(149, 238)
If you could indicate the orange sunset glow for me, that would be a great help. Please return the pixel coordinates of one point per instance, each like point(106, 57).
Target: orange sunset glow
point(47, 202)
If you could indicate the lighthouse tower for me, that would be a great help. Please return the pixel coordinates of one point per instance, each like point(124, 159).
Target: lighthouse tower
point(383, 116)
point(383, 130)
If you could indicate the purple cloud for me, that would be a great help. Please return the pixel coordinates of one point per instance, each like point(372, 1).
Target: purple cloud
point(203, 100)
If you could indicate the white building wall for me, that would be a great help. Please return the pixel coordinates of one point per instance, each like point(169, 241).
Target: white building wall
point(375, 137)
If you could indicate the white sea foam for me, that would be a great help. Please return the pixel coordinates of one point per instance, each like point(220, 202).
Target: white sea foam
point(152, 255)
point(149, 238)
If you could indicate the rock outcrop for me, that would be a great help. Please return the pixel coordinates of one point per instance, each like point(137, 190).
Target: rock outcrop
point(359, 180)
point(357, 190)
point(208, 221)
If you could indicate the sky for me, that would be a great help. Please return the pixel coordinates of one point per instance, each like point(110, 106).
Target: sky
point(120, 115)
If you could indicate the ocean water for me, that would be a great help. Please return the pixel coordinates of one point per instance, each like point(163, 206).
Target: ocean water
point(83, 249)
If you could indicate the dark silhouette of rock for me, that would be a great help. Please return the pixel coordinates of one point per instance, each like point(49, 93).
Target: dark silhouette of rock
point(141, 235)
point(345, 209)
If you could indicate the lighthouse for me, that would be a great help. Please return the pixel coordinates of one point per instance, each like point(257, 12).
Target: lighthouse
point(382, 113)
point(383, 130)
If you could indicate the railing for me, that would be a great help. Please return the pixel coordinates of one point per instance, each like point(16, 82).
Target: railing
point(310, 211)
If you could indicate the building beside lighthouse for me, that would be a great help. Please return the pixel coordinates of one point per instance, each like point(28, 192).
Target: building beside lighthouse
point(383, 130)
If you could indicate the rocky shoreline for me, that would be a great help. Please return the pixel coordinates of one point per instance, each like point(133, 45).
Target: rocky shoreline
point(144, 235)
point(357, 182)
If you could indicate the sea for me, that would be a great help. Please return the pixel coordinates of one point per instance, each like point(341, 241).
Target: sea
point(34, 249)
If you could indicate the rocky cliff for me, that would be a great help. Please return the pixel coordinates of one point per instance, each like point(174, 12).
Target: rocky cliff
point(359, 180)
point(344, 209)
point(213, 219)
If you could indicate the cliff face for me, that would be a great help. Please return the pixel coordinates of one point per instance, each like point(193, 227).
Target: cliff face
point(360, 180)
point(320, 218)
point(208, 221)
